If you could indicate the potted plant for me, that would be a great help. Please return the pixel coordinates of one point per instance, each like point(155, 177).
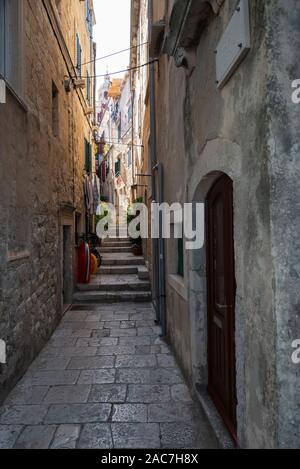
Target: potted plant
point(137, 246)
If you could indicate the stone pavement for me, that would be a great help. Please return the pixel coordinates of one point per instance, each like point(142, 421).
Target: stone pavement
point(105, 380)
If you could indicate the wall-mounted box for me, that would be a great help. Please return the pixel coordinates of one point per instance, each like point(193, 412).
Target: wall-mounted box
point(2, 352)
point(234, 44)
point(2, 91)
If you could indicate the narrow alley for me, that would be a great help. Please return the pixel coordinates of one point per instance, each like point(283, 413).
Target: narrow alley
point(106, 379)
point(149, 226)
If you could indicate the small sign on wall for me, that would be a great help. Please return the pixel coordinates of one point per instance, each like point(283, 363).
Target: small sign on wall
point(2, 352)
point(2, 92)
point(234, 44)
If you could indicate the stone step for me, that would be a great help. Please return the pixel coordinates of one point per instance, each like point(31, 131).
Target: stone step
point(116, 244)
point(122, 261)
point(118, 270)
point(143, 273)
point(118, 239)
point(111, 297)
point(104, 248)
point(111, 287)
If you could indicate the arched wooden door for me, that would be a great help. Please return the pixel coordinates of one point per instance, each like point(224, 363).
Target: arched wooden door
point(221, 288)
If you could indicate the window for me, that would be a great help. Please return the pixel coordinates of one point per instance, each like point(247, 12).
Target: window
point(117, 168)
point(180, 249)
point(11, 43)
point(103, 171)
point(140, 116)
point(78, 56)
point(130, 113)
point(58, 6)
point(88, 87)
point(89, 17)
point(87, 156)
point(55, 110)
point(129, 158)
point(120, 131)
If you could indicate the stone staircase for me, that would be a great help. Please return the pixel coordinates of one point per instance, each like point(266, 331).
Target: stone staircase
point(122, 276)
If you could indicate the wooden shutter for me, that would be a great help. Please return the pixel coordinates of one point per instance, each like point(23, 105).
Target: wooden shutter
point(87, 156)
point(78, 55)
point(117, 168)
point(88, 87)
point(180, 268)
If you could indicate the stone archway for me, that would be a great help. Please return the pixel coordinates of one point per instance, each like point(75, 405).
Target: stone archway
point(218, 157)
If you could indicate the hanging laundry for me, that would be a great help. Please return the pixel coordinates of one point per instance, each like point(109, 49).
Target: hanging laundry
point(89, 195)
point(96, 194)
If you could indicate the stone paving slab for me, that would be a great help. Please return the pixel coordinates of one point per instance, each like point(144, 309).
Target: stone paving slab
point(9, 435)
point(148, 393)
point(50, 378)
point(103, 376)
point(66, 437)
point(106, 379)
point(68, 394)
point(78, 413)
point(36, 437)
point(23, 414)
point(136, 435)
point(96, 436)
point(130, 413)
point(24, 395)
point(113, 393)
point(91, 363)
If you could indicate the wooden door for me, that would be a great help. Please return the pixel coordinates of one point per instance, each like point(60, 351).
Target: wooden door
point(221, 289)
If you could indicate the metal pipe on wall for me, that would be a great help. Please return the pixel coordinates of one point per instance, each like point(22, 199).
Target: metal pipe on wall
point(158, 246)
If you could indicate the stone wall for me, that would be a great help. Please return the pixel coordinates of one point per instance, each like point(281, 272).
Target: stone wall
point(41, 174)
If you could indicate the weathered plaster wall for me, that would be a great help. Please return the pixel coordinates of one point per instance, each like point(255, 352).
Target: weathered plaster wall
point(283, 45)
point(39, 173)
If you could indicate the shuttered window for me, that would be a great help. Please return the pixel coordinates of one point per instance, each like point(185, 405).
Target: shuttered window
point(180, 267)
point(78, 55)
point(118, 168)
point(103, 171)
point(88, 87)
point(129, 158)
point(87, 156)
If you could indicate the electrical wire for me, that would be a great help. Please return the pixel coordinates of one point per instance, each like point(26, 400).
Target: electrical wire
point(115, 53)
point(122, 71)
point(121, 144)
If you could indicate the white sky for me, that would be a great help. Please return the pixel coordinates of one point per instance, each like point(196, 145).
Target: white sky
point(112, 33)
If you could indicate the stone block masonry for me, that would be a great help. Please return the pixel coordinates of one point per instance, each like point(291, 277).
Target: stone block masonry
point(41, 172)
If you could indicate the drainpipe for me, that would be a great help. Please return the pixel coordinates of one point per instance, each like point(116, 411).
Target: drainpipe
point(161, 252)
point(132, 134)
point(155, 271)
point(158, 246)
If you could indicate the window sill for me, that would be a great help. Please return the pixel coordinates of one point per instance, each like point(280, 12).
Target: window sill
point(178, 284)
point(14, 256)
point(15, 95)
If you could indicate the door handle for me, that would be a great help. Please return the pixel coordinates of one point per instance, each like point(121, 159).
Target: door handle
point(218, 322)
